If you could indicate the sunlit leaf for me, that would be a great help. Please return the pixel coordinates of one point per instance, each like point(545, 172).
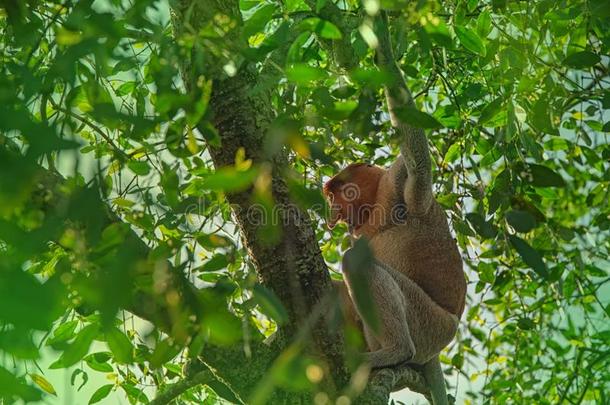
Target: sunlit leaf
point(43, 383)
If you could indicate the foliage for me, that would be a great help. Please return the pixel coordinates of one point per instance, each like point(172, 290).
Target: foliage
point(515, 96)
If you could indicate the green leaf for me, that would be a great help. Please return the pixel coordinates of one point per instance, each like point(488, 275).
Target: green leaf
point(79, 348)
point(76, 373)
point(416, 118)
point(484, 228)
point(270, 304)
point(93, 362)
point(43, 383)
point(486, 272)
point(63, 333)
point(164, 351)
point(217, 262)
point(134, 393)
point(582, 60)
point(297, 48)
point(530, 256)
point(470, 40)
point(452, 153)
point(491, 110)
point(139, 167)
point(522, 221)
point(101, 393)
point(525, 324)
point(12, 386)
point(258, 19)
point(358, 262)
point(226, 179)
point(304, 74)
point(542, 176)
point(457, 361)
point(484, 24)
point(323, 28)
point(125, 89)
point(119, 345)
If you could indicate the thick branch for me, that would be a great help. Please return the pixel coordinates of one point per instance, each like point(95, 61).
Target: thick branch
point(175, 390)
point(293, 266)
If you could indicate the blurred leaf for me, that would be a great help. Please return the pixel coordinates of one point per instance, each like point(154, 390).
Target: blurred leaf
point(470, 40)
point(484, 228)
point(120, 345)
point(164, 351)
point(303, 74)
point(418, 119)
point(11, 387)
point(258, 19)
point(582, 60)
point(217, 262)
point(25, 302)
point(227, 179)
point(97, 365)
point(491, 110)
point(133, 393)
point(270, 304)
point(77, 349)
point(358, 263)
point(125, 89)
point(323, 28)
point(140, 168)
point(542, 176)
point(522, 221)
point(526, 324)
point(43, 383)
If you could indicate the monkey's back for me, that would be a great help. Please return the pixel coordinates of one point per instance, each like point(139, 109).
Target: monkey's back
point(427, 254)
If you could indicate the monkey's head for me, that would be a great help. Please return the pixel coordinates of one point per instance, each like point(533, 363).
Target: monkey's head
point(352, 194)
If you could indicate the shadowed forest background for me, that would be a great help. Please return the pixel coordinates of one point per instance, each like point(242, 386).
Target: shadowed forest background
point(161, 214)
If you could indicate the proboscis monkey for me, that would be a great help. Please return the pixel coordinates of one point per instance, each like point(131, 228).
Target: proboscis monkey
point(416, 280)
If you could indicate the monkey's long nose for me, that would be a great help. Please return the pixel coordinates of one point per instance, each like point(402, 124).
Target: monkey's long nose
point(334, 216)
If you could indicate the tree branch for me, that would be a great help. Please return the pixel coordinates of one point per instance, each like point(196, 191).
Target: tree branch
point(292, 267)
point(175, 390)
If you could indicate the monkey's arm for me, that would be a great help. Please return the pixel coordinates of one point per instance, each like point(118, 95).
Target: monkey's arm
point(413, 143)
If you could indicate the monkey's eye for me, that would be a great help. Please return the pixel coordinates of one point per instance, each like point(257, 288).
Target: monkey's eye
point(369, 165)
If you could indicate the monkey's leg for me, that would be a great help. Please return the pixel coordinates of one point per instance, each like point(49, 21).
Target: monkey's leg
point(392, 337)
point(436, 381)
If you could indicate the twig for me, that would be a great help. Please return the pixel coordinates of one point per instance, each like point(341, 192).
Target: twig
point(174, 390)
